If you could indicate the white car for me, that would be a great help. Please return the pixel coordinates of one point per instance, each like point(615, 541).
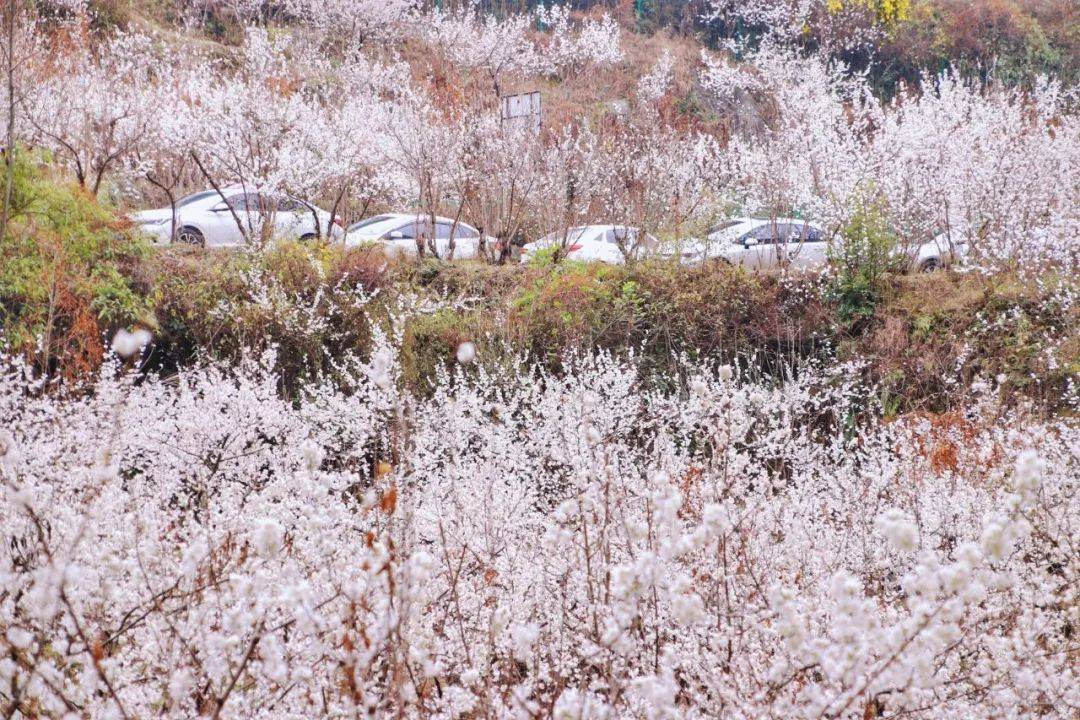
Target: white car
point(206, 219)
point(948, 246)
point(759, 243)
point(596, 243)
point(397, 233)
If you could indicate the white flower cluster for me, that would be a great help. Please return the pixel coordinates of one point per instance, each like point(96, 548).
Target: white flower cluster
point(319, 110)
point(899, 529)
point(201, 542)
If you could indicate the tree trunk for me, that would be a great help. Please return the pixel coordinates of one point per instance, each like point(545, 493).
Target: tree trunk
point(235, 217)
point(9, 148)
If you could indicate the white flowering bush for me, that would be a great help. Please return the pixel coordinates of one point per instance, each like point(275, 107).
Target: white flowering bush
point(322, 101)
point(578, 545)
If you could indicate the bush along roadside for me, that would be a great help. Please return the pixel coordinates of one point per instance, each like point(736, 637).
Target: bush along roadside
point(920, 338)
point(71, 273)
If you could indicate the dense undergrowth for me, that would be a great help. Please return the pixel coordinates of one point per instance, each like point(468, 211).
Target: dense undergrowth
point(73, 274)
point(923, 338)
point(69, 271)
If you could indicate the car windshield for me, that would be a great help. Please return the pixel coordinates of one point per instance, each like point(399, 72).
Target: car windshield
point(370, 221)
point(196, 197)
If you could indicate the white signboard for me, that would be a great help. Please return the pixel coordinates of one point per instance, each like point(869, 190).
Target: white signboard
point(523, 109)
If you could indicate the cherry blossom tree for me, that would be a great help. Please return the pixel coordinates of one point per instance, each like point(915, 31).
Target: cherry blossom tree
point(95, 105)
point(653, 179)
point(806, 157)
point(570, 182)
point(481, 41)
point(979, 166)
point(347, 160)
point(837, 26)
point(563, 544)
point(568, 48)
point(349, 24)
point(19, 45)
point(986, 165)
point(249, 123)
point(509, 173)
point(507, 46)
point(440, 153)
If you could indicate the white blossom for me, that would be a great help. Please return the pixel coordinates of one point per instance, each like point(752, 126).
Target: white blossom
point(126, 343)
point(269, 537)
point(466, 353)
point(898, 529)
point(19, 638)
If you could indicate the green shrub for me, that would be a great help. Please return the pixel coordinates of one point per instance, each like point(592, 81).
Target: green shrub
point(933, 333)
point(431, 342)
point(862, 258)
point(310, 302)
point(68, 272)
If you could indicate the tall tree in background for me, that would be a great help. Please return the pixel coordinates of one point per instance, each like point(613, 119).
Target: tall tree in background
point(18, 42)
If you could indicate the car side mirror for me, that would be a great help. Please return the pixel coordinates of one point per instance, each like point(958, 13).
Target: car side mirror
point(396, 235)
point(749, 242)
point(220, 207)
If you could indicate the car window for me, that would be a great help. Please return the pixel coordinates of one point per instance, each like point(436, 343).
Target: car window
point(627, 236)
point(288, 204)
point(377, 229)
point(276, 203)
point(408, 230)
point(766, 233)
point(804, 232)
point(196, 197)
point(370, 221)
point(263, 203)
point(244, 202)
point(725, 226)
point(414, 229)
point(572, 235)
point(461, 232)
point(734, 231)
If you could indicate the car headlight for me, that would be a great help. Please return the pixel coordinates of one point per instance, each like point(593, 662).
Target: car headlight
point(154, 223)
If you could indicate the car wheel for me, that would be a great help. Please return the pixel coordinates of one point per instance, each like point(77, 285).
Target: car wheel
point(307, 237)
point(718, 262)
point(930, 265)
point(190, 236)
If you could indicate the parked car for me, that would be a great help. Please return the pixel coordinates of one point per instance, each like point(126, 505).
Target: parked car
point(760, 243)
point(207, 219)
point(598, 243)
point(397, 232)
point(947, 246)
